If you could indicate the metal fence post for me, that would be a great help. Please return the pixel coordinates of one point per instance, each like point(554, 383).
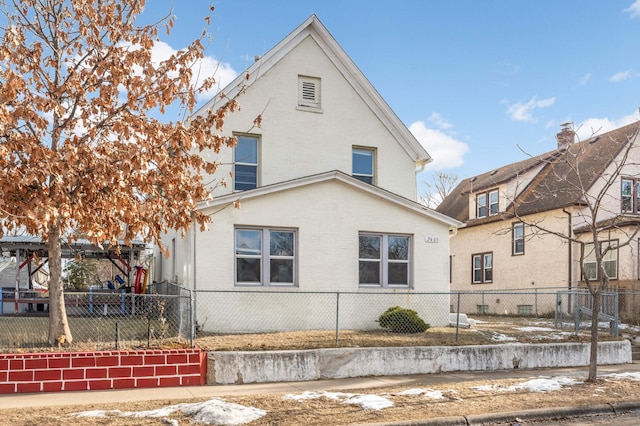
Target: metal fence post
point(337, 316)
point(458, 317)
point(192, 315)
point(614, 327)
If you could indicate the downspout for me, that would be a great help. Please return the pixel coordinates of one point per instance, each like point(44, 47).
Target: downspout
point(570, 257)
point(193, 257)
point(420, 165)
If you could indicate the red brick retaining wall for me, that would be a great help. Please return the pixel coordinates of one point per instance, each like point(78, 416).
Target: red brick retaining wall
point(51, 372)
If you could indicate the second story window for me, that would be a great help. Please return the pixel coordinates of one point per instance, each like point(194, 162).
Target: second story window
point(630, 195)
point(517, 238)
point(487, 204)
point(363, 160)
point(245, 157)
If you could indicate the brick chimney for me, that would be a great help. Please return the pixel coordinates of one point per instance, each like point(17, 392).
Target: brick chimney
point(566, 136)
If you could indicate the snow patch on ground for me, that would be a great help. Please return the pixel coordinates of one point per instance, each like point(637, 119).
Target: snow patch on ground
point(212, 412)
point(623, 376)
point(426, 392)
point(499, 337)
point(367, 402)
point(542, 384)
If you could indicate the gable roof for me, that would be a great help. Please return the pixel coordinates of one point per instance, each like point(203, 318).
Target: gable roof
point(563, 175)
point(456, 204)
point(312, 27)
point(222, 202)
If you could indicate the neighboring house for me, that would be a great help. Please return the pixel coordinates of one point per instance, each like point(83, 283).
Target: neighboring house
point(328, 198)
point(498, 249)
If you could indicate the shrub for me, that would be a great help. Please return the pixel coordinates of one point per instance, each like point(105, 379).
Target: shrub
point(401, 320)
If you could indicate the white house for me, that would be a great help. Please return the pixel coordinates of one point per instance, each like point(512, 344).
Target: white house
point(327, 198)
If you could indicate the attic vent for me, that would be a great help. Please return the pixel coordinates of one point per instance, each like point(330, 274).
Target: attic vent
point(594, 140)
point(473, 179)
point(308, 92)
point(493, 172)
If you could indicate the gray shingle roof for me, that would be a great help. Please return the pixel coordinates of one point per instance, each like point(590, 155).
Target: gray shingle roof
point(563, 177)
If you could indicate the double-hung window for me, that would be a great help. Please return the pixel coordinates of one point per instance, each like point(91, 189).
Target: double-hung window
point(363, 164)
point(245, 158)
point(630, 195)
point(487, 203)
point(265, 256)
point(482, 268)
point(384, 260)
point(609, 260)
point(517, 238)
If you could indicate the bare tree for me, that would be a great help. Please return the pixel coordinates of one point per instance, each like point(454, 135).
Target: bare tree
point(601, 220)
point(437, 187)
point(79, 146)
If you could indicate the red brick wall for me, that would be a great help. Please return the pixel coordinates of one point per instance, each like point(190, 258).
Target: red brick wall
point(51, 372)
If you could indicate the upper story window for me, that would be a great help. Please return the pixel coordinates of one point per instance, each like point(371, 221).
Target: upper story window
point(309, 93)
point(384, 260)
point(630, 195)
point(265, 256)
point(487, 203)
point(517, 238)
point(482, 268)
point(609, 260)
point(363, 164)
point(245, 158)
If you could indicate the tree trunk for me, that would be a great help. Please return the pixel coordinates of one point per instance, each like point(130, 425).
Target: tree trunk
point(59, 332)
point(593, 358)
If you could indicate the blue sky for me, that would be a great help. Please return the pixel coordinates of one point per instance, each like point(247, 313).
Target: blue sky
point(479, 83)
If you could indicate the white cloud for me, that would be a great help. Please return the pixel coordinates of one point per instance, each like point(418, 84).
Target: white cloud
point(585, 78)
point(622, 75)
point(202, 69)
point(634, 9)
point(439, 121)
point(524, 111)
point(446, 151)
point(597, 126)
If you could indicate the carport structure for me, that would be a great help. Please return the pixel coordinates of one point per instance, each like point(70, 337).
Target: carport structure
point(31, 252)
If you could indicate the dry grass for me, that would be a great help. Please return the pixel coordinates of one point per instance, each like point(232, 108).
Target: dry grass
point(492, 330)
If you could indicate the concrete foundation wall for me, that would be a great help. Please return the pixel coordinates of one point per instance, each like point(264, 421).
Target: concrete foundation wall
point(276, 366)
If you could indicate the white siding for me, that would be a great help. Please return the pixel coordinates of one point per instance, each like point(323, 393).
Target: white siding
point(298, 143)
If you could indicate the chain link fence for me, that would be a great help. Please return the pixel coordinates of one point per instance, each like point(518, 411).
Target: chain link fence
point(169, 314)
point(100, 319)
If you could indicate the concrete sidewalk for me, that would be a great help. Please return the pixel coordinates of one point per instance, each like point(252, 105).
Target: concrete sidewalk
point(186, 392)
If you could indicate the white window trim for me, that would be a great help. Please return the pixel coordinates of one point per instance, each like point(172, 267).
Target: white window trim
point(265, 257)
point(243, 163)
point(514, 239)
point(384, 261)
point(373, 163)
point(488, 204)
point(591, 260)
